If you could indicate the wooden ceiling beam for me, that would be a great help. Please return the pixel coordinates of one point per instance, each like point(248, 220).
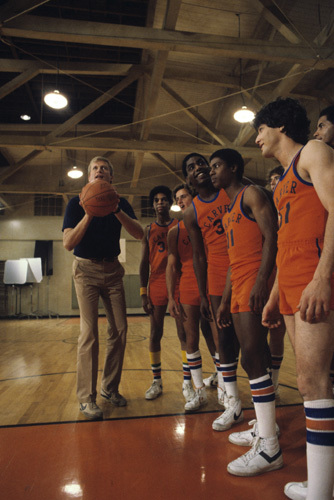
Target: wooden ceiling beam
point(64, 30)
point(11, 10)
point(74, 68)
point(117, 145)
point(196, 117)
point(269, 10)
point(19, 80)
point(93, 106)
point(161, 57)
point(167, 165)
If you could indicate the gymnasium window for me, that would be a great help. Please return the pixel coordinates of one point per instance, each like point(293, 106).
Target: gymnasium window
point(50, 205)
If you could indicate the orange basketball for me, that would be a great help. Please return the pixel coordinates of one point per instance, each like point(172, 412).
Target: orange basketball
point(99, 198)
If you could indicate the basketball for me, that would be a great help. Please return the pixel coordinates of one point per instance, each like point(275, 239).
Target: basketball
point(99, 198)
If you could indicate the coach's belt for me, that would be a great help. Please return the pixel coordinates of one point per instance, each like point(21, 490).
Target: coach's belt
point(96, 261)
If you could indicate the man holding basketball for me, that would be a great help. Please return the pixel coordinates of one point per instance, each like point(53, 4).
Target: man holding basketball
point(98, 273)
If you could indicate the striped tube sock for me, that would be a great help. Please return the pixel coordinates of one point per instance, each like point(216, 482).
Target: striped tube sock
point(186, 367)
point(195, 364)
point(155, 359)
point(320, 447)
point(219, 372)
point(276, 362)
point(229, 372)
point(263, 395)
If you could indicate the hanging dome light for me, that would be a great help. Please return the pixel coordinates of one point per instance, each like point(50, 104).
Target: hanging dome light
point(55, 100)
point(175, 208)
point(75, 173)
point(244, 115)
point(25, 117)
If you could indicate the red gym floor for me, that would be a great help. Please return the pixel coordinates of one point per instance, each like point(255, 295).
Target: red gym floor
point(173, 457)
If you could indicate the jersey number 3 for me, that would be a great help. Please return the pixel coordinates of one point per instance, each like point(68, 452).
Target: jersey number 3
point(161, 246)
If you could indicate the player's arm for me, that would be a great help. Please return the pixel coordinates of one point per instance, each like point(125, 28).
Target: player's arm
point(73, 236)
point(258, 206)
point(316, 164)
point(199, 259)
point(144, 271)
point(173, 265)
point(132, 226)
point(223, 312)
point(271, 317)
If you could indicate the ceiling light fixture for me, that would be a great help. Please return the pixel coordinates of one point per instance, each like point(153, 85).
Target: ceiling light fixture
point(175, 208)
point(244, 115)
point(25, 117)
point(55, 100)
point(75, 173)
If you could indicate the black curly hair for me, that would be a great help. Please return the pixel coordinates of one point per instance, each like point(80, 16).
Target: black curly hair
point(186, 158)
point(161, 189)
point(287, 113)
point(232, 158)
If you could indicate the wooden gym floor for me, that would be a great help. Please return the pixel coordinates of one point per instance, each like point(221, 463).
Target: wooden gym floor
point(149, 449)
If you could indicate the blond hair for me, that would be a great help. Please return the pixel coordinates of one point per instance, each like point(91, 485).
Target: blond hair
point(100, 158)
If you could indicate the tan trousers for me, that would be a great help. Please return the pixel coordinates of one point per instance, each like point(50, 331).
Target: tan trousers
point(93, 280)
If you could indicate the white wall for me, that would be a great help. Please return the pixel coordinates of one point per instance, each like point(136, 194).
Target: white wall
point(18, 233)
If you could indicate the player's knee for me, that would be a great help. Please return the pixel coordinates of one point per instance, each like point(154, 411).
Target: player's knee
point(156, 334)
point(313, 387)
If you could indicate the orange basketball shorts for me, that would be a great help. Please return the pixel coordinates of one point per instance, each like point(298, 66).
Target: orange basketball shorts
point(241, 290)
point(296, 265)
point(189, 293)
point(157, 291)
point(216, 274)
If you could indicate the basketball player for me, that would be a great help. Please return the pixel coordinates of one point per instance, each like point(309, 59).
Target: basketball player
point(250, 225)
point(325, 127)
point(203, 223)
point(180, 255)
point(98, 273)
point(155, 297)
point(304, 285)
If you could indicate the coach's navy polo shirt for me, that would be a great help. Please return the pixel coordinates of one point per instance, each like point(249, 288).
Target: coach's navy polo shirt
point(101, 239)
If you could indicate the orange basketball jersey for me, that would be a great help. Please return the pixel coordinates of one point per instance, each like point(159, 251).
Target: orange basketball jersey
point(302, 217)
point(158, 251)
point(208, 216)
point(209, 219)
point(244, 239)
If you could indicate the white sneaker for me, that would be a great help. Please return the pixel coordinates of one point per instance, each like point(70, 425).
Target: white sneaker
point(200, 399)
point(188, 391)
point(246, 438)
point(154, 391)
point(232, 415)
point(91, 410)
point(296, 491)
point(264, 456)
point(211, 381)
